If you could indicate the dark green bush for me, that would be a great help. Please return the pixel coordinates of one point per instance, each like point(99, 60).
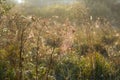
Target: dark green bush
point(67, 70)
point(6, 73)
point(103, 68)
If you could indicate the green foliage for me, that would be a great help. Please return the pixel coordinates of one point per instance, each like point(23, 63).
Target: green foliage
point(6, 72)
point(103, 68)
point(4, 7)
point(68, 68)
point(109, 40)
point(3, 54)
point(93, 66)
point(57, 49)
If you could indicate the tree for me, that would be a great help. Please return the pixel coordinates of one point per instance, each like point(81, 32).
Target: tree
point(101, 8)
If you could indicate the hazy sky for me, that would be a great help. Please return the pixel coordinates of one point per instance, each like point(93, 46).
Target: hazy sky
point(43, 1)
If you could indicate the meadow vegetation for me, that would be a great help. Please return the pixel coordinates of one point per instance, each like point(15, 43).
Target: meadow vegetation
point(60, 42)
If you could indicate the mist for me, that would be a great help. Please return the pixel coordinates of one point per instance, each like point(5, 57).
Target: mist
point(41, 2)
point(60, 40)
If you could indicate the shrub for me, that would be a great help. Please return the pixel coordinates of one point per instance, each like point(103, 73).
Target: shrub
point(90, 67)
point(6, 72)
point(67, 69)
point(103, 68)
point(95, 66)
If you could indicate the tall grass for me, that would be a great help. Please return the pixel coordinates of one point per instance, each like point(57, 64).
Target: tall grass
point(35, 48)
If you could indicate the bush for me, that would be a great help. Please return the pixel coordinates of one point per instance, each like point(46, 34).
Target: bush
point(103, 68)
point(6, 72)
point(90, 67)
point(67, 68)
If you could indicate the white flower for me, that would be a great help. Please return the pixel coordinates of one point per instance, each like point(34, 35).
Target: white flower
point(94, 32)
point(64, 24)
point(96, 25)
point(91, 18)
point(27, 55)
point(116, 43)
point(117, 35)
point(5, 29)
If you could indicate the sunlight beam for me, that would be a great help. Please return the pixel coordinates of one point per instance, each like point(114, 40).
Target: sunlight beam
point(20, 1)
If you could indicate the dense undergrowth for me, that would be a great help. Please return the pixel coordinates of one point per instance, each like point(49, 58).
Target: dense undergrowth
point(76, 47)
